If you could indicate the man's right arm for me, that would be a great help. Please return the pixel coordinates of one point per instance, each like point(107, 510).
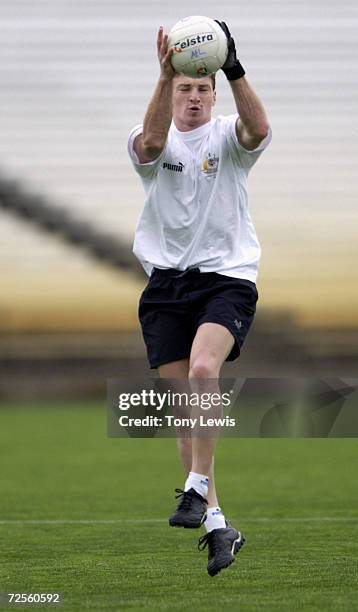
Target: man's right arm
point(149, 145)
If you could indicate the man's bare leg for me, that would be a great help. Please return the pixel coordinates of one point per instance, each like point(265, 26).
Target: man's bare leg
point(180, 369)
point(175, 369)
point(211, 345)
point(209, 350)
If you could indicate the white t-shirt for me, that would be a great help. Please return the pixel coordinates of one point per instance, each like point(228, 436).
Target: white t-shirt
point(196, 208)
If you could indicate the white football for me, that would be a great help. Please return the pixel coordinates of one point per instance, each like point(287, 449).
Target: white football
point(200, 46)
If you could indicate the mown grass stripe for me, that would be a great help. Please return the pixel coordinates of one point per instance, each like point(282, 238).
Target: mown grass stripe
point(262, 519)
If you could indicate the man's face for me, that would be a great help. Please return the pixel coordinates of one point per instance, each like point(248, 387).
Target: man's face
point(193, 100)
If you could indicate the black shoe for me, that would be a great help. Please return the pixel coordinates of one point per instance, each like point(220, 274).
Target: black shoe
point(191, 510)
point(223, 545)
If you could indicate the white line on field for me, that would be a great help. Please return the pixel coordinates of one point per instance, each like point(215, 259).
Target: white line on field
point(259, 519)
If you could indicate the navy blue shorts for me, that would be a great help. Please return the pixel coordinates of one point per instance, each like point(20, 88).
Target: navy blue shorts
point(174, 304)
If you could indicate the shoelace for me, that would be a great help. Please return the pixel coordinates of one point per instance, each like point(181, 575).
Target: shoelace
point(186, 501)
point(208, 540)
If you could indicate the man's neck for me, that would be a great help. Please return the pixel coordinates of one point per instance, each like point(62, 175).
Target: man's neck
point(184, 127)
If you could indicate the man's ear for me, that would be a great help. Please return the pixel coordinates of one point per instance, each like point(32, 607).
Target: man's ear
point(214, 99)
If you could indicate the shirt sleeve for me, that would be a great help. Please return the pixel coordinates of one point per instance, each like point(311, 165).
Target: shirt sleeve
point(245, 157)
point(148, 169)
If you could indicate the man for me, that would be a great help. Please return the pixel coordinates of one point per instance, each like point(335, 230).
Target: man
point(196, 241)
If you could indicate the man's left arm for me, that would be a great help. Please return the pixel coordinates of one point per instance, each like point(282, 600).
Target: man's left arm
point(252, 126)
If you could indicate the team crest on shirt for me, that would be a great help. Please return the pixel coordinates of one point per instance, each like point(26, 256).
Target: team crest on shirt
point(210, 165)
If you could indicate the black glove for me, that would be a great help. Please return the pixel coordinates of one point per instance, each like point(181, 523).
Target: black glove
point(232, 67)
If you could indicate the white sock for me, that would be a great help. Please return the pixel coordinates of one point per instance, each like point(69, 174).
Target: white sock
point(199, 482)
point(215, 519)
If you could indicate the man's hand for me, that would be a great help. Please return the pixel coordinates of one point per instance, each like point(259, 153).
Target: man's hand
point(232, 67)
point(164, 55)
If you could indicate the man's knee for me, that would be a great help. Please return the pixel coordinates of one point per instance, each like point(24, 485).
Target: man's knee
point(204, 366)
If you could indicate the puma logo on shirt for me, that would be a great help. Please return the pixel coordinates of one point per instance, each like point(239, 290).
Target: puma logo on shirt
point(176, 167)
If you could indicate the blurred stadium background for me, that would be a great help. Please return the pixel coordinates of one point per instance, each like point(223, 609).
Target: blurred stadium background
point(75, 77)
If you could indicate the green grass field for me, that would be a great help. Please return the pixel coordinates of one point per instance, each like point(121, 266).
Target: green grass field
point(86, 516)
